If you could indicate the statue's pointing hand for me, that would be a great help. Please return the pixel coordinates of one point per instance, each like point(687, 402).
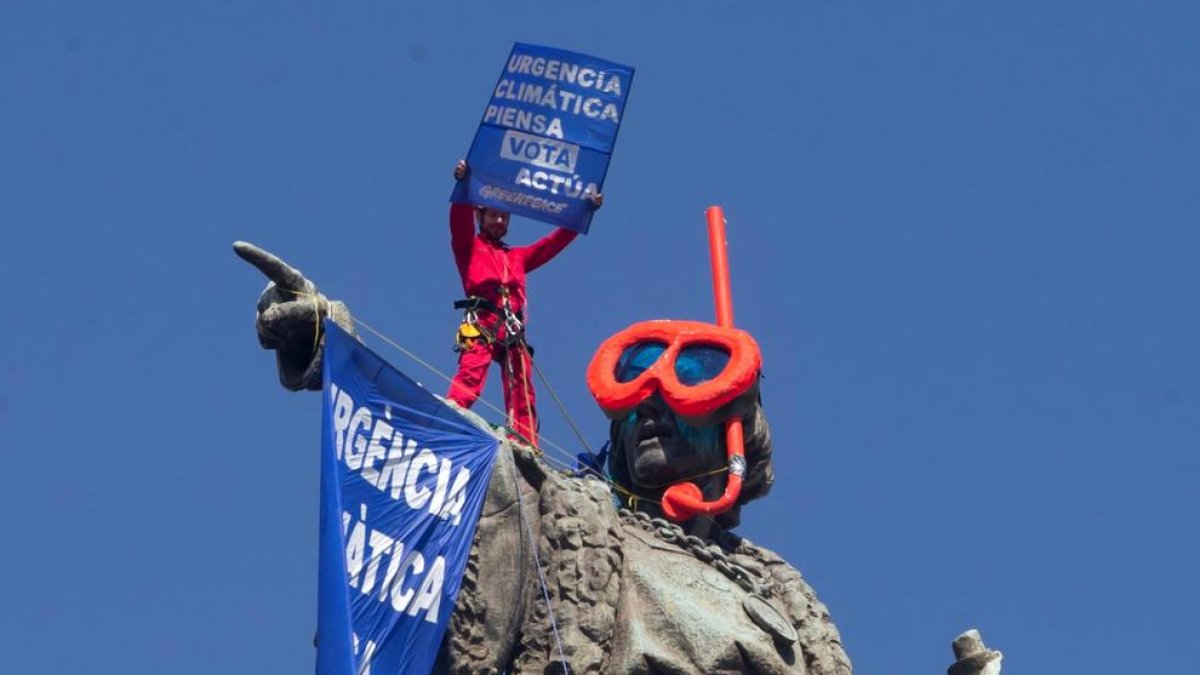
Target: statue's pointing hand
point(290, 311)
point(280, 273)
point(290, 308)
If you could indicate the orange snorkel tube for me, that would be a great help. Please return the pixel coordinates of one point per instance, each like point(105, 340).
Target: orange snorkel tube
point(684, 501)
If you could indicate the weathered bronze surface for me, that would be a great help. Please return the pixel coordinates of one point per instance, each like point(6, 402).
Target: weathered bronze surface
point(628, 592)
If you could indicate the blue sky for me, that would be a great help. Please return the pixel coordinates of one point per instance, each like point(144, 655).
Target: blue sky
point(964, 234)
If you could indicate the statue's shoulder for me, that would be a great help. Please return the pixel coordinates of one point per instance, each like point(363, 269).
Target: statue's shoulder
point(501, 622)
point(578, 517)
point(580, 548)
point(569, 492)
point(818, 636)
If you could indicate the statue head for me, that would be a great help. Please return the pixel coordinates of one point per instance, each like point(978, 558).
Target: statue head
point(669, 387)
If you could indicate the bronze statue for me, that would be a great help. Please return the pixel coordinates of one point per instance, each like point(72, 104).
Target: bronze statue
point(625, 590)
point(973, 657)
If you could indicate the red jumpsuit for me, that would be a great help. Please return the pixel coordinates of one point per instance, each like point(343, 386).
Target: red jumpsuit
point(486, 267)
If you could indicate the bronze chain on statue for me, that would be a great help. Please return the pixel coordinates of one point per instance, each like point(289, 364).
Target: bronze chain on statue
point(757, 601)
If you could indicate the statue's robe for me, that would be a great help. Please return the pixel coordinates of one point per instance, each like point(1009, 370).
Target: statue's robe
point(624, 600)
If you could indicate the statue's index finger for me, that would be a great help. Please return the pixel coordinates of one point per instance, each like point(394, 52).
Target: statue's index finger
point(284, 275)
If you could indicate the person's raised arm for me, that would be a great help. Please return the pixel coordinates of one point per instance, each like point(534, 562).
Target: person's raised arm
point(462, 224)
point(543, 250)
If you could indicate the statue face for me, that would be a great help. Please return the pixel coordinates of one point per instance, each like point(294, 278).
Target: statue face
point(661, 450)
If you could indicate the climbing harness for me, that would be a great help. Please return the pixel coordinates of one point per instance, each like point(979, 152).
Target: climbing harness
point(557, 463)
point(565, 466)
point(510, 340)
point(472, 328)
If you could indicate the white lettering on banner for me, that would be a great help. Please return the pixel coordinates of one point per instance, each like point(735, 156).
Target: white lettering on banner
point(564, 71)
point(553, 97)
point(365, 656)
point(522, 199)
point(524, 120)
point(360, 420)
point(417, 497)
point(407, 585)
point(539, 151)
point(376, 451)
point(341, 416)
point(571, 186)
point(393, 464)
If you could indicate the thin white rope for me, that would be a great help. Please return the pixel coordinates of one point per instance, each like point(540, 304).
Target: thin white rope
point(566, 453)
point(561, 408)
point(570, 457)
point(541, 576)
point(520, 502)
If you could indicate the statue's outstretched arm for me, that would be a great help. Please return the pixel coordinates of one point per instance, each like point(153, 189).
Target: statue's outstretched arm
point(492, 605)
point(290, 312)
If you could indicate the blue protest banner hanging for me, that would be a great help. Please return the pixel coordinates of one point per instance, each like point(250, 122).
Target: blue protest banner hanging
point(403, 479)
point(547, 135)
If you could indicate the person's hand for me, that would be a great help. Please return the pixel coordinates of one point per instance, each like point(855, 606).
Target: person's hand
point(595, 199)
point(461, 169)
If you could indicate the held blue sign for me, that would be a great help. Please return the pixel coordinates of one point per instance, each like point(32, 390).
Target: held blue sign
point(547, 135)
point(403, 480)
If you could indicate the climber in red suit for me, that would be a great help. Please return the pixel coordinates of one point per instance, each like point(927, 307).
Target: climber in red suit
point(494, 272)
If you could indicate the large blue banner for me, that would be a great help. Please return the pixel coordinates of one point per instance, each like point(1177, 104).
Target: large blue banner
point(547, 135)
point(403, 479)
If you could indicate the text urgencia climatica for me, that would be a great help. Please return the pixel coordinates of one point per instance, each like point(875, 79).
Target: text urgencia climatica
point(410, 475)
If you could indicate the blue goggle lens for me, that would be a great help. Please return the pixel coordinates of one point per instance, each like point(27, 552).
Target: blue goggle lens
point(700, 363)
point(694, 365)
point(636, 359)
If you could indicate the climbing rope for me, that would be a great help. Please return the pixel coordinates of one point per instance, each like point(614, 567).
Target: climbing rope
point(562, 408)
point(562, 466)
point(541, 575)
point(565, 467)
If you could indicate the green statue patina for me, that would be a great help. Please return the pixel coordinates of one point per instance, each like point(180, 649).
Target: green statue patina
point(628, 590)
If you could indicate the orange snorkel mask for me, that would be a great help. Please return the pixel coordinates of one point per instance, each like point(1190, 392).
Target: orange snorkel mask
point(698, 368)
